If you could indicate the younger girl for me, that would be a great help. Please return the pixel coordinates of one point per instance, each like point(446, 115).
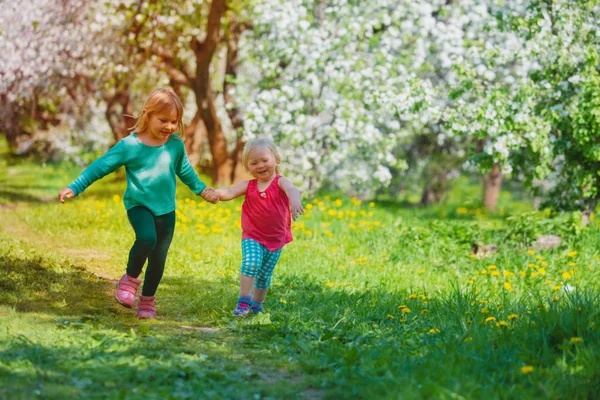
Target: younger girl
point(152, 157)
point(266, 225)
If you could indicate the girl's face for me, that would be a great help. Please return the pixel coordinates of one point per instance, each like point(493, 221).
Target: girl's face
point(163, 123)
point(262, 164)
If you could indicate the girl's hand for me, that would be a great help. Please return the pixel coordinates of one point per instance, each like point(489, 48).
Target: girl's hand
point(210, 195)
point(296, 210)
point(65, 193)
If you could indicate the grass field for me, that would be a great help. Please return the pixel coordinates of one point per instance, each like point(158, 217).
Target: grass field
point(372, 300)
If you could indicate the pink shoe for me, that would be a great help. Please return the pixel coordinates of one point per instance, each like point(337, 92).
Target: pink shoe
point(126, 290)
point(146, 307)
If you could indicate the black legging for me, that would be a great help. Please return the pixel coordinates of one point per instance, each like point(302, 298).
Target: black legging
point(153, 235)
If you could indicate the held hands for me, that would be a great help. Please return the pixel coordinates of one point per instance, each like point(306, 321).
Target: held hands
point(209, 194)
point(296, 209)
point(64, 194)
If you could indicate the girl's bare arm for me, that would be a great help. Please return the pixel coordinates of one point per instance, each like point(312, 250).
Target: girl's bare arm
point(232, 192)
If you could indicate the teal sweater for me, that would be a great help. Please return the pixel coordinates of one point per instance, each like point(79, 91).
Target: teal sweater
point(150, 172)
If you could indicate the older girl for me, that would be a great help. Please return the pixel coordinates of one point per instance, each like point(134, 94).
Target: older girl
point(152, 157)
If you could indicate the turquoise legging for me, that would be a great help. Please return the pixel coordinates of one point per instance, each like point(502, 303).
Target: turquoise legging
point(258, 262)
point(153, 235)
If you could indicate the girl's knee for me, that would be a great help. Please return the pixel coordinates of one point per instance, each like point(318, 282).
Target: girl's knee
point(262, 283)
point(249, 269)
point(147, 241)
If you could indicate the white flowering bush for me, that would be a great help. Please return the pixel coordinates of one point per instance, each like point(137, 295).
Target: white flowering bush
point(336, 89)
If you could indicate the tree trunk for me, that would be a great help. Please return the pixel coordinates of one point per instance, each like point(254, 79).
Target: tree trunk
point(205, 97)
point(119, 113)
point(195, 132)
point(435, 191)
point(10, 116)
point(588, 210)
point(492, 181)
point(238, 171)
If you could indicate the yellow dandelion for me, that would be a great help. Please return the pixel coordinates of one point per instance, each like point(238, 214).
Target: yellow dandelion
point(512, 317)
point(469, 339)
point(405, 310)
point(484, 310)
point(566, 275)
point(412, 296)
point(526, 369)
point(434, 330)
point(490, 319)
point(390, 316)
point(490, 267)
point(572, 254)
point(420, 271)
point(501, 324)
point(330, 284)
point(530, 252)
point(508, 286)
point(576, 340)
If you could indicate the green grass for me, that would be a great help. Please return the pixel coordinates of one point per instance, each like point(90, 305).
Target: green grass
point(369, 301)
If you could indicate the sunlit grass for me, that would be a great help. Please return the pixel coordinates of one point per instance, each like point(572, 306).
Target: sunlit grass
point(369, 301)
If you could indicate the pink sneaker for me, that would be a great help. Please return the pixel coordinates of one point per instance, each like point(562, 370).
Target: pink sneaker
point(126, 290)
point(146, 307)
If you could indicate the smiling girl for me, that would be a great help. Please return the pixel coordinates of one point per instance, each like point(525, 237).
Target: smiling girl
point(152, 156)
point(270, 201)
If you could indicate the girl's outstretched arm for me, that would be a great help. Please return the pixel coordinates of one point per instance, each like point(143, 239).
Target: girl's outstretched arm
point(109, 162)
point(232, 192)
point(294, 195)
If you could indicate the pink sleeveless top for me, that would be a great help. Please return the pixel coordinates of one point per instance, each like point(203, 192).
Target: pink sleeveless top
point(266, 215)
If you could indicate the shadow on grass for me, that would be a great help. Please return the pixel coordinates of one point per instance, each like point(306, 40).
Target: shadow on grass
point(88, 363)
point(33, 285)
point(91, 345)
point(14, 195)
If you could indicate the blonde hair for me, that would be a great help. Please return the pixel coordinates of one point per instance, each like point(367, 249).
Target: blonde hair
point(257, 142)
point(159, 100)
